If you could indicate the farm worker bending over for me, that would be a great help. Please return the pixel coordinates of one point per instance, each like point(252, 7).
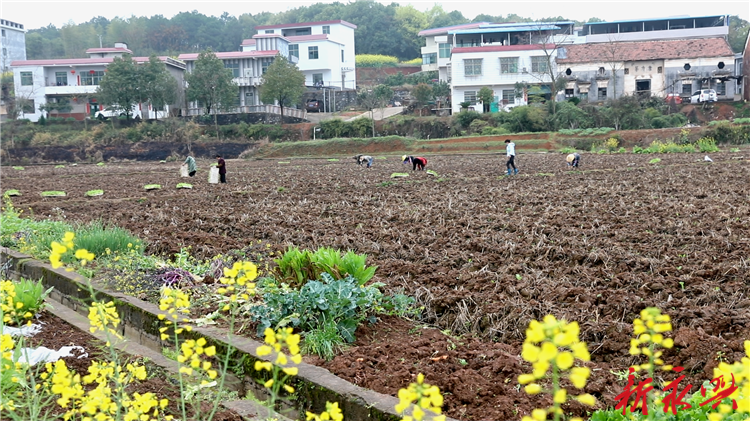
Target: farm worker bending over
point(510, 152)
point(361, 159)
point(574, 159)
point(222, 168)
point(417, 162)
point(190, 162)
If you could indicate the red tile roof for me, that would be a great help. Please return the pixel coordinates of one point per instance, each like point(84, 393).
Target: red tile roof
point(647, 50)
point(248, 42)
point(297, 25)
point(76, 61)
point(497, 48)
point(232, 54)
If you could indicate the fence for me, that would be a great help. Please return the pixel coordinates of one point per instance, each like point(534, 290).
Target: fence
point(248, 109)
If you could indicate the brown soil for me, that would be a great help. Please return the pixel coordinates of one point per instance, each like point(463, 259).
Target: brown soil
point(483, 254)
point(56, 333)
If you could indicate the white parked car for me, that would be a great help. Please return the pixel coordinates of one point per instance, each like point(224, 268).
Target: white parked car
point(704, 95)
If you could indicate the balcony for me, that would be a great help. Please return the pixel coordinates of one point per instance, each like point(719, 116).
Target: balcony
point(70, 90)
point(247, 81)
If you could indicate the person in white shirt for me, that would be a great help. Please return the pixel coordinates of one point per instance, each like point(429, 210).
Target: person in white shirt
point(510, 152)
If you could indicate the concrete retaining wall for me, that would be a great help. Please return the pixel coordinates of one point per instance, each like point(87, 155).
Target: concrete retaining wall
point(314, 385)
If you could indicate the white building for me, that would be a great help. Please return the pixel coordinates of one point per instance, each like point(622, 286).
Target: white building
point(247, 68)
point(325, 50)
point(74, 82)
point(501, 57)
point(656, 57)
point(13, 42)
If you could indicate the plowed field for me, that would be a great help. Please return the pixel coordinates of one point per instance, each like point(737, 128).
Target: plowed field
point(483, 254)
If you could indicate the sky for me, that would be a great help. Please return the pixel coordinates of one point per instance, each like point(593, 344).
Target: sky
point(35, 14)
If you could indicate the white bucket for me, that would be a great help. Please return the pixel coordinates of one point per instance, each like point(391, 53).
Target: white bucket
point(184, 171)
point(213, 175)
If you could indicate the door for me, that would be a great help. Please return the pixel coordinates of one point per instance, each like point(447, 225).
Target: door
point(643, 88)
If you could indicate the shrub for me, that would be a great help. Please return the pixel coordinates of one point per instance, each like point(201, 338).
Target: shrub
point(607, 146)
point(466, 117)
point(477, 126)
point(706, 144)
point(70, 119)
point(98, 238)
point(298, 266)
point(494, 131)
point(375, 60)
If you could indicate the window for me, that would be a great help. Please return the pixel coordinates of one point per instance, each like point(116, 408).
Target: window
point(658, 69)
point(508, 65)
point(312, 53)
point(509, 96)
point(264, 66)
point(26, 79)
point(539, 64)
point(721, 88)
point(234, 67)
point(300, 32)
point(470, 96)
point(569, 93)
point(445, 50)
point(294, 50)
point(602, 71)
point(3, 32)
point(326, 29)
point(317, 78)
point(91, 77)
point(627, 71)
point(5, 51)
point(602, 94)
point(473, 67)
point(61, 78)
point(28, 106)
point(269, 31)
point(429, 58)
point(687, 88)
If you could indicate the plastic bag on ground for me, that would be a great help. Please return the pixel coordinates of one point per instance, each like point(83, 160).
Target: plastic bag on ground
point(42, 354)
point(184, 171)
point(213, 175)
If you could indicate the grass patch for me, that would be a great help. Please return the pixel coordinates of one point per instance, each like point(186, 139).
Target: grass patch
point(97, 238)
point(333, 160)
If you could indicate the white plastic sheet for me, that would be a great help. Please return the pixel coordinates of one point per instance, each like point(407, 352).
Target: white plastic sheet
point(42, 354)
point(184, 171)
point(28, 330)
point(213, 175)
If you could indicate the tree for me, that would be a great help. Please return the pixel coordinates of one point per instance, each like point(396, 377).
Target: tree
point(738, 32)
point(158, 86)
point(486, 95)
point(613, 51)
point(422, 94)
point(282, 83)
point(441, 91)
point(119, 89)
point(375, 98)
point(211, 84)
point(551, 42)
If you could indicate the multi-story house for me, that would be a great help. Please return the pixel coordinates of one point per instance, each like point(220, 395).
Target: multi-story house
point(74, 82)
point(247, 66)
point(324, 50)
point(509, 58)
point(652, 57)
point(13, 42)
point(598, 61)
point(436, 54)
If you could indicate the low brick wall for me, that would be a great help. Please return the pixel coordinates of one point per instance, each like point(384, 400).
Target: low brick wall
point(140, 323)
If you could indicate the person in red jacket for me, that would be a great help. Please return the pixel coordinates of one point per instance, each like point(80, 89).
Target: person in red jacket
point(418, 163)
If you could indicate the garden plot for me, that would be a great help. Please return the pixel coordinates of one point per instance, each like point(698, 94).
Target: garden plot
point(483, 253)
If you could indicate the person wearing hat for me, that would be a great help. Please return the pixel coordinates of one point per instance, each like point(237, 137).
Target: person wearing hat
point(573, 159)
point(510, 152)
point(417, 161)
